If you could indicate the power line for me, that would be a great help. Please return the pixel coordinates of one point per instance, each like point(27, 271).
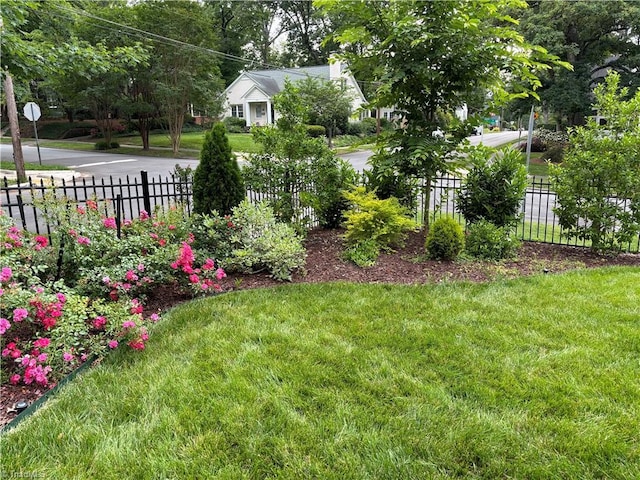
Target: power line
point(171, 41)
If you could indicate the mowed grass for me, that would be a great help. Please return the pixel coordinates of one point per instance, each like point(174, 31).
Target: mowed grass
point(239, 142)
point(535, 378)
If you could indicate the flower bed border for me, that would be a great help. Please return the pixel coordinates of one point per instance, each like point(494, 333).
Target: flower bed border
point(35, 406)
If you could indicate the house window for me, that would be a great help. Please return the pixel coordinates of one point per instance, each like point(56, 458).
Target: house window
point(260, 111)
point(237, 111)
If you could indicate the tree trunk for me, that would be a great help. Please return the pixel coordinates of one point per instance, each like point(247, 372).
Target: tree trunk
point(143, 125)
point(12, 111)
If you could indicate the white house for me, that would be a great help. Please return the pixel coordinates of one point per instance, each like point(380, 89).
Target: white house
point(250, 96)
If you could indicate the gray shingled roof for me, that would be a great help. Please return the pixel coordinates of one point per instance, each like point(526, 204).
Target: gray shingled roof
point(272, 81)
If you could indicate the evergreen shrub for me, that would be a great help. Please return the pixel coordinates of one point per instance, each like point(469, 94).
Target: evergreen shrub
point(445, 239)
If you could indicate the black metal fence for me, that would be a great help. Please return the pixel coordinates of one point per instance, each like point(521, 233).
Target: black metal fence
point(131, 195)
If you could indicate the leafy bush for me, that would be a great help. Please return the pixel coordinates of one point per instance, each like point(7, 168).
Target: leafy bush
point(364, 253)
point(217, 182)
point(555, 154)
point(537, 145)
point(353, 128)
point(389, 182)
point(385, 222)
point(598, 184)
point(494, 188)
point(54, 326)
point(331, 176)
point(315, 131)
point(260, 242)
point(550, 137)
point(445, 239)
point(488, 242)
point(103, 145)
point(212, 234)
point(235, 124)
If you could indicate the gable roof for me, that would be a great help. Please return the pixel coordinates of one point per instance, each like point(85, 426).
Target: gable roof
point(272, 81)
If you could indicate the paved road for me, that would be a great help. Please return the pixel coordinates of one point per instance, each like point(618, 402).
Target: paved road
point(359, 159)
point(98, 164)
point(104, 165)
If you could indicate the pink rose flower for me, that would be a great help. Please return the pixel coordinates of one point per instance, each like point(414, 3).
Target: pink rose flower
point(110, 222)
point(19, 314)
point(4, 326)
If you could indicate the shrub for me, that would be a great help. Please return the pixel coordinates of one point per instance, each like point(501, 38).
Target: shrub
point(388, 182)
point(598, 184)
point(445, 239)
point(261, 242)
point(353, 128)
point(488, 242)
point(330, 176)
point(315, 131)
point(217, 182)
point(103, 145)
point(555, 154)
point(364, 253)
point(537, 145)
point(386, 222)
point(235, 124)
point(494, 188)
point(212, 234)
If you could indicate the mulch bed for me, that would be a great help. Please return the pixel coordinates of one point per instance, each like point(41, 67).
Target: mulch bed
point(407, 265)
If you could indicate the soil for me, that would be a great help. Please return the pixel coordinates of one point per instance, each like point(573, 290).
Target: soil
point(406, 265)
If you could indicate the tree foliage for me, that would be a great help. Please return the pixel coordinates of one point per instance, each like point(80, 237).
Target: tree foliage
point(296, 170)
point(593, 36)
point(598, 184)
point(494, 187)
point(426, 57)
point(326, 103)
point(217, 182)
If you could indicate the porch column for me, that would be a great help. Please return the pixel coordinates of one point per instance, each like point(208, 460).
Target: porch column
point(247, 113)
point(269, 119)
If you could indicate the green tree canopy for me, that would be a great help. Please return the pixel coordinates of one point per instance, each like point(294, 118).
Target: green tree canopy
point(593, 36)
point(426, 57)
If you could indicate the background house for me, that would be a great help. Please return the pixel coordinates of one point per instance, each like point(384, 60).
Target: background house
point(250, 96)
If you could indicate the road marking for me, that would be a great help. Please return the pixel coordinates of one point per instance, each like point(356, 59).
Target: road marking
point(102, 163)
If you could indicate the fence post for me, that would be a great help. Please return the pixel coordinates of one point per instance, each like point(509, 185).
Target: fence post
point(118, 215)
point(146, 197)
point(21, 209)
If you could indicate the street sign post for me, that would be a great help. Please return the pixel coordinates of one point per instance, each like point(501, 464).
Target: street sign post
point(32, 112)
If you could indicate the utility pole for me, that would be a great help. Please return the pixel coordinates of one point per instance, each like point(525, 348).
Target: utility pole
point(15, 128)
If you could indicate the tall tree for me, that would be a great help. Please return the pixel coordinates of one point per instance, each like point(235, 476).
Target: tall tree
point(30, 50)
point(266, 28)
point(327, 104)
point(594, 36)
point(307, 26)
point(426, 57)
point(183, 62)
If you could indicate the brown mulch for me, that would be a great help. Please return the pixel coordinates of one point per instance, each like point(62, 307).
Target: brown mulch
point(407, 265)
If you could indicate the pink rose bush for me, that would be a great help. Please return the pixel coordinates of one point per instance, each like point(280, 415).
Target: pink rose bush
point(56, 315)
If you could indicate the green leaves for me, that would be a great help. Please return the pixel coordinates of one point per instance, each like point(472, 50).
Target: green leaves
point(598, 184)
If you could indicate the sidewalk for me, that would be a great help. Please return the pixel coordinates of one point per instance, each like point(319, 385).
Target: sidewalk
point(45, 175)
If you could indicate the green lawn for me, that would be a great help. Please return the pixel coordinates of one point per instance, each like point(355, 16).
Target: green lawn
point(31, 166)
point(536, 378)
point(240, 142)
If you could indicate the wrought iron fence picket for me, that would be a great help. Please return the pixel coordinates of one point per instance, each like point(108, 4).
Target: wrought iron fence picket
point(161, 193)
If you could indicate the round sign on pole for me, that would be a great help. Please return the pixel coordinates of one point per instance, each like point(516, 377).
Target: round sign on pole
point(32, 111)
